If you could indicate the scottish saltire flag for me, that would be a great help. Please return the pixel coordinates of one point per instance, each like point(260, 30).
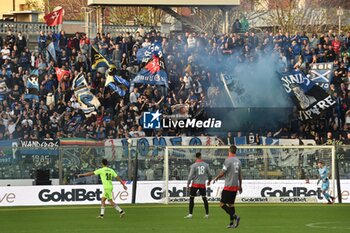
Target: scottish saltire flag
point(240, 140)
point(97, 60)
point(32, 88)
point(153, 73)
point(79, 82)
point(322, 74)
point(310, 99)
point(52, 51)
point(146, 53)
point(117, 84)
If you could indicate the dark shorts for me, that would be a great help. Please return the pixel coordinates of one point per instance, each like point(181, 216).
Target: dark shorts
point(228, 197)
point(193, 191)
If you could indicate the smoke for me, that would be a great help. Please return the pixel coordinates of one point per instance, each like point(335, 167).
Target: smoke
point(252, 96)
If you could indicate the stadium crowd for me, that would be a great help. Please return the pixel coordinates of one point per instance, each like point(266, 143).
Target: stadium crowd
point(56, 113)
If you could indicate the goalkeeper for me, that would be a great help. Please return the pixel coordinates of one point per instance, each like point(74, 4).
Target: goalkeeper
point(324, 177)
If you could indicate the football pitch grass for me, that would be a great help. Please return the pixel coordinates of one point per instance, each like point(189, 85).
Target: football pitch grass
point(255, 218)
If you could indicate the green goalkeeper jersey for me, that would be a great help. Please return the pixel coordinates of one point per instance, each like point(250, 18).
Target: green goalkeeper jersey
point(106, 175)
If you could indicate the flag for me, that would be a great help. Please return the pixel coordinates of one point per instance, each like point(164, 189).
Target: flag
point(35, 72)
point(51, 50)
point(88, 102)
point(117, 84)
point(55, 17)
point(3, 90)
point(32, 88)
point(146, 53)
point(97, 60)
point(79, 82)
point(322, 74)
point(310, 99)
point(153, 73)
point(60, 73)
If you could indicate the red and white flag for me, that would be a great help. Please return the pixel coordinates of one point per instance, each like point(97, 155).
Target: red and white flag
point(55, 17)
point(60, 73)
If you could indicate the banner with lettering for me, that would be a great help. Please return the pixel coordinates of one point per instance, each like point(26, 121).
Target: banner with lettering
point(154, 146)
point(310, 99)
point(39, 152)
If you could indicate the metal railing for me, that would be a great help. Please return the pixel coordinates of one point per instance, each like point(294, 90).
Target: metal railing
point(26, 28)
point(30, 28)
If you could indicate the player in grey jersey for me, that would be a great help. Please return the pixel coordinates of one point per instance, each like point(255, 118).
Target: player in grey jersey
point(232, 170)
point(199, 173)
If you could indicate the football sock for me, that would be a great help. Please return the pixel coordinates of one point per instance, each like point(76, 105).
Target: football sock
point(191, 205)
point(327, 196)
point(102, 211)
point(118, 208)
point(206, 206)
point(227, 209)
point(233, 210)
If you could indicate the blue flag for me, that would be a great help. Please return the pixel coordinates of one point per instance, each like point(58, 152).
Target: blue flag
point(153, 73)
point(146, 53)
point(117, 84)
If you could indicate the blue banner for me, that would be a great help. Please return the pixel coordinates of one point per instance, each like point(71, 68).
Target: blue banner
point(146, 77)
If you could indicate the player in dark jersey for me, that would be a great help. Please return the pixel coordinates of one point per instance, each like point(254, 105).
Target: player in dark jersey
point(232, 170)
point(199, 173)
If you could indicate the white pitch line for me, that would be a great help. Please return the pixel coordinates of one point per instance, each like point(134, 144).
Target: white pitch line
point(318, 225)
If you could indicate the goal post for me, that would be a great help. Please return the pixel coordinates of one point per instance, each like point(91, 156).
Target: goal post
point(269, 172)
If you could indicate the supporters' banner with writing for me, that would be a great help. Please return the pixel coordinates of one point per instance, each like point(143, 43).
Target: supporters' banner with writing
point(3, 90)
point(153, 73)
point(39, 147)
point(88, 102)
point(97, 60)
point(146, 53)
point(310, 99)
point(8, 151)
point(32, 88)
point(117, 84)
point(286, 142)
point(154, 146)
point(322, 74)
point(38, 152)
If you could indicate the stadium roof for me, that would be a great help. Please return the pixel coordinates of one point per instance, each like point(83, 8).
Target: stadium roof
point(165, 2)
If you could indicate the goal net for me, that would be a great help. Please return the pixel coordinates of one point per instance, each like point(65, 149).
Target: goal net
point(270, 173)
